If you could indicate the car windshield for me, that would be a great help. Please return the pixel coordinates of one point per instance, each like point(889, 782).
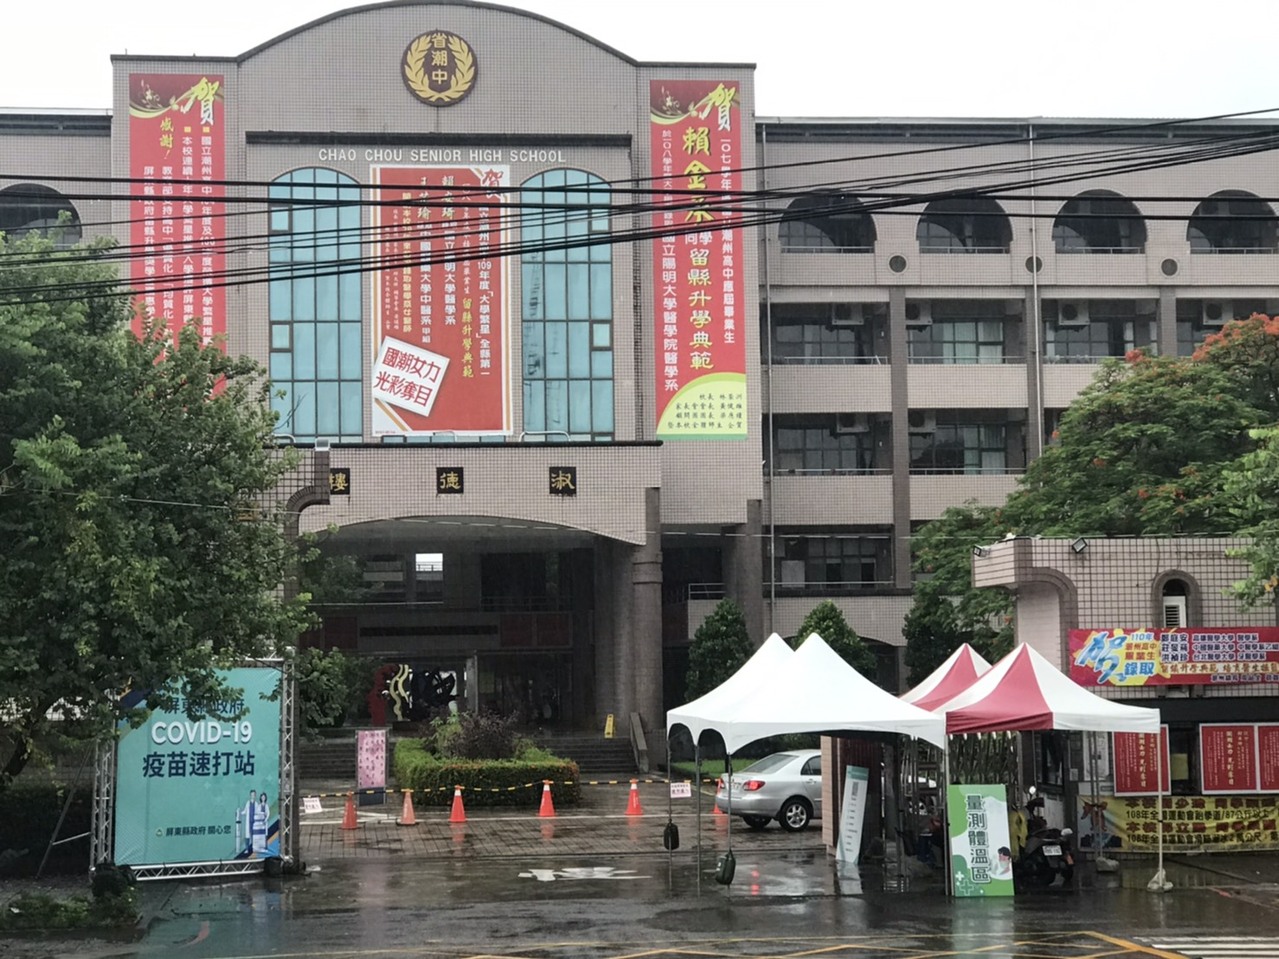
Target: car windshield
point(770, 763)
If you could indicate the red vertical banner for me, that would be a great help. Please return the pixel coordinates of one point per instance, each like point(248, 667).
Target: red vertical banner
point(1135, 760)
point(1268, 756)
point(700, 286)
point(177, 232)
point(440, 312)
point(1228, 758)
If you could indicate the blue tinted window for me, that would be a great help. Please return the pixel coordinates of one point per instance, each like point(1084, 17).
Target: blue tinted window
point(315, 283)
point(568, 361)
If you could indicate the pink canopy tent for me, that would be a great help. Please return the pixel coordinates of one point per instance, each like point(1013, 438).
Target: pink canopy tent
point(1024, 692)
point(949, 679)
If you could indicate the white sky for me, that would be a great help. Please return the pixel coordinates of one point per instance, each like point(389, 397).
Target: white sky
point(851, 58)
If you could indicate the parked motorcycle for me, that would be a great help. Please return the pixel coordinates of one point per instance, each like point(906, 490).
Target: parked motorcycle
point(1047, 858)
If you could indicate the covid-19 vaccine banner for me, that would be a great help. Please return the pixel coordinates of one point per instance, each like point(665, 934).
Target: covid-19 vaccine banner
point(202, 790)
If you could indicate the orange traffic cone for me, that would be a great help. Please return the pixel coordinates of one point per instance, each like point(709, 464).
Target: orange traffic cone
point(458, 813)
point(548, 807)
point(348, 815)
point(633, 804)
point(406, 814)
point(715, 810)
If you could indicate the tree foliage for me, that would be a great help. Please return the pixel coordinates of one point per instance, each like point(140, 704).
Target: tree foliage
point(827, 621)
point(143, 549)
point(719, 648)
point(1163, 446)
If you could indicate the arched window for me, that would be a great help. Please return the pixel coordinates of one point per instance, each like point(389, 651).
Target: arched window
point(959, 225)
point(1099, 221)
point(317, 320)
point(567, 319)
point(1232, 221)
point(826, 223)
point(1176, 600)
point(35, 208)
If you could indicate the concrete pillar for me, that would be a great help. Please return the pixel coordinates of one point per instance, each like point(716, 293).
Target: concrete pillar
point(646, 628)
point(604, 631)
point(1166, 322)
point(744, 569)
point(898, 379)
point(625, 630)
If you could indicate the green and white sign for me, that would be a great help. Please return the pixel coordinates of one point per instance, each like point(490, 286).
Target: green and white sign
point(856, 782)
point(202, 790)
point(980, 855)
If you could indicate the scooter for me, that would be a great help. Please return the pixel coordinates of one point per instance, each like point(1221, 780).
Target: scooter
point(1047, 859)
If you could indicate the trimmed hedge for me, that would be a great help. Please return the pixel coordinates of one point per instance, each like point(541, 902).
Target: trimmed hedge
point(498, 782)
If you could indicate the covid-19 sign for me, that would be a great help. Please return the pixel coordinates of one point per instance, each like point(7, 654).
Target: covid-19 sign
point(202, 790)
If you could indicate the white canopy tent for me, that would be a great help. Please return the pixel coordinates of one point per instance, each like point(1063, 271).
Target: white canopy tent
point(703, 712)
point(811, 691)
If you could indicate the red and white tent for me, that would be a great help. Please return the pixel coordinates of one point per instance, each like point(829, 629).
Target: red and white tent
point(949, 679)
point(1024, 692)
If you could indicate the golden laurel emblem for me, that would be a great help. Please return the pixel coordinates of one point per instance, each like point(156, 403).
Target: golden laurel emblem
point(439, 68)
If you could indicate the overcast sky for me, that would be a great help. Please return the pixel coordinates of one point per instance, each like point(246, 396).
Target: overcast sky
point(851, 58)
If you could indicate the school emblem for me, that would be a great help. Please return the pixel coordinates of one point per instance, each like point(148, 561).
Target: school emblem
point(439, 68)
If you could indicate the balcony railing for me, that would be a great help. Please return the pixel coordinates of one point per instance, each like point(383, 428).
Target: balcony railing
point(967, 360)
point(1070, 250)
point(959, 248)
point(832, 471)
point(866, 360)
point(831, 588)
point(966, 471)
point(798, 248)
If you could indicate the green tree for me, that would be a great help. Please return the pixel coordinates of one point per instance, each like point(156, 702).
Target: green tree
point(827, 621)
point(719, 648)
point(143, 549)
point(1153, 447)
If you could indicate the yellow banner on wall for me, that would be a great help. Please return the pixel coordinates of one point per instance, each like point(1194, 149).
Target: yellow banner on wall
point(1203, 823)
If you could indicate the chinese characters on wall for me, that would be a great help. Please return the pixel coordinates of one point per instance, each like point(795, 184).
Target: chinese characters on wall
point(700, 289)
point(177, 161)
point(439, 332)
point(1135, 760)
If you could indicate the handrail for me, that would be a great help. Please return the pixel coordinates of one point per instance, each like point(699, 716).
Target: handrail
point(563, 433)
point(639, 745)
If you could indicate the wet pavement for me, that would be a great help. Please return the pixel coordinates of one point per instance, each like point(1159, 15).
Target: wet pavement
point(592, 881)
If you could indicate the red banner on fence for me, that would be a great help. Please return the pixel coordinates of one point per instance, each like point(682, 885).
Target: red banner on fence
point(1228, 758)
point(439, 332)
point(1268, 757)
point(700, 285)
point(1135, 760)
point(1171, 657)
point(177, 156)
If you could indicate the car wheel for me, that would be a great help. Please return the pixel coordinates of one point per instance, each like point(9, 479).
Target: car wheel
point(795, 814)
point(756, 822)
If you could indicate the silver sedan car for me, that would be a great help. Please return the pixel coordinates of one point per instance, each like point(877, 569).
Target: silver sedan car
point(784, 786)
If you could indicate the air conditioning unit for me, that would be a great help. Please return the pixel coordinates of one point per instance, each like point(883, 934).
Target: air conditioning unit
point(1072, 313)
point(1217, 312)
point(920, 421)
point(919, 314)
point(1174, 612)
point(847, 314)
point(851, 423)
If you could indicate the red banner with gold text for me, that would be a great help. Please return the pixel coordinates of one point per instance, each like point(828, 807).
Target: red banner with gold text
point(440, 312)
point(177, 160)
point(700, 289)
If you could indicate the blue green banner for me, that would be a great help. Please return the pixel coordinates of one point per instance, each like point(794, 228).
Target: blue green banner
point(202, 790)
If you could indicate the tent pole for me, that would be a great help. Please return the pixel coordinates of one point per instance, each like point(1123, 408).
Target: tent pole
point(943, 800)
point(697, 774)
point(1159, 882)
